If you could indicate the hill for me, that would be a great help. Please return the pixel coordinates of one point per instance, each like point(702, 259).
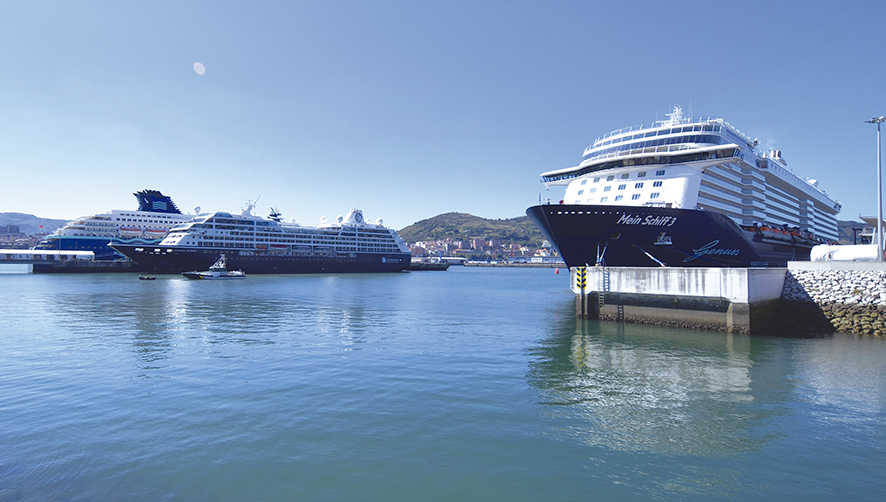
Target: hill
point(463, 226)
point(844, 230)
point(30, 224)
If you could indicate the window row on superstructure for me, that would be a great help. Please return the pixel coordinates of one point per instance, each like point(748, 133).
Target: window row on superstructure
point(648, 145)
point(659, 132)
point(648, 160)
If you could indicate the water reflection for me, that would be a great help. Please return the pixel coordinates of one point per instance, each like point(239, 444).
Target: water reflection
point(639, 388)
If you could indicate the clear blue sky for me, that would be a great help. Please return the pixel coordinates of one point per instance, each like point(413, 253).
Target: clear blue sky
point(410, 109)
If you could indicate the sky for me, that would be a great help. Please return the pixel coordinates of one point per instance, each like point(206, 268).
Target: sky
point(411, 109)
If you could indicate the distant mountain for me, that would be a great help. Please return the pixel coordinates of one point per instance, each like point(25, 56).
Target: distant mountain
point(30, 224)
point(844, 229)
point(463, 226)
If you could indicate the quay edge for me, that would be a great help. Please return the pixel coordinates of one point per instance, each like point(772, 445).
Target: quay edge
point(802, 299)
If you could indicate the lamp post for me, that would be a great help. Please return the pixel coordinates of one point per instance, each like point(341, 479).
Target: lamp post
point(879, 120)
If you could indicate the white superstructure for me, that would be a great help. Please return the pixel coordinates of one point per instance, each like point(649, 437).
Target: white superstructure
point(121, 224)
point(705, 164)
point(253, 234)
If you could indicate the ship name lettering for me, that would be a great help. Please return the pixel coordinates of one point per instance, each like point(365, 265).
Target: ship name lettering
point(710, 249)
point(653, 221)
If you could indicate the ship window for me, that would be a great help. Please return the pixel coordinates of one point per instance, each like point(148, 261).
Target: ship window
point(604, 199)
point(625, 176)
point(597, 179)
point(656, 184)
point(592, 190)
point(654, 195)
point(584, 182)
point(641, 174)
point(610, 178)
point(660, 172)
point(622, 187)
point(607, 188)
point(635, 196)
point(618, 197)
point(638, 185)
point(581, 192)
point(650, 133)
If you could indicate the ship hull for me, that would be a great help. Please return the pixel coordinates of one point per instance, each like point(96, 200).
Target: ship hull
point(175, 260)
point(98, 245)
point(631, 236)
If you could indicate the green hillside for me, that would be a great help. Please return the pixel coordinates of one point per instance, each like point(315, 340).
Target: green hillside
point(463, 226)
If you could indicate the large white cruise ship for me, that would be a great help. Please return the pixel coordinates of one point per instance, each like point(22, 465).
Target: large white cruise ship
point(268, 246)
point(684, 192)
point(147, 225)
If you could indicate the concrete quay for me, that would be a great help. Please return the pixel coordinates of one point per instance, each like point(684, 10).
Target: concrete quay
point(801, 300)
point(735, 300)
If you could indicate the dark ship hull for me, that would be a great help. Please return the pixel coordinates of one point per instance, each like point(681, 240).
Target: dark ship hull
point(628, 236)
point(175, 260)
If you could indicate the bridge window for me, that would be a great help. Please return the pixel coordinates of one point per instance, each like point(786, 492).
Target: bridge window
point(638, 185)
point(635, 196)
point(622, 187)
point(618, 197)
point(656, 184)
point(641, 174)
point(607, 188)
point(660, 172)
point(654, 195)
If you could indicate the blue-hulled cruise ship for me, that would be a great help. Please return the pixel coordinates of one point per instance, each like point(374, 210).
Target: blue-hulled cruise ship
point(147, 225)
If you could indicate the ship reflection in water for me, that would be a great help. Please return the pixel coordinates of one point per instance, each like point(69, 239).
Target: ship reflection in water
point(645, 389)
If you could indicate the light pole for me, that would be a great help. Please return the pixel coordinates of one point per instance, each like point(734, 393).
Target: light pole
point(879, 120)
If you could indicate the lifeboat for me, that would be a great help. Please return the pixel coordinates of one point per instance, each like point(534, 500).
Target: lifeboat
point(128, 232)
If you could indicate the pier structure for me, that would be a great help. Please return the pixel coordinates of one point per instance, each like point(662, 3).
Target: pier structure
point(803, 299)
point(43, 256)
point(735, 300)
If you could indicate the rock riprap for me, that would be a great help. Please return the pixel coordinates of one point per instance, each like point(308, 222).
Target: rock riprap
point(853, 301)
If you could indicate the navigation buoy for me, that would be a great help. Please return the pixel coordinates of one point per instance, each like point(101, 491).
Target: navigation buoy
point(557, 271)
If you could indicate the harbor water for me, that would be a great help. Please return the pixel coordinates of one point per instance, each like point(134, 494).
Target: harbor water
point(471, 384)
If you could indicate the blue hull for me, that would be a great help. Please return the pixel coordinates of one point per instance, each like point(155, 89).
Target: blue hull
point(98, 245)
point(628, 236)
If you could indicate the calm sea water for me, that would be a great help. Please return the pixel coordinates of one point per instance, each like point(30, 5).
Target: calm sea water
point(472, 384)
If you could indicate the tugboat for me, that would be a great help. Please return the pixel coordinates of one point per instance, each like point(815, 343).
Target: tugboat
point(218, 270)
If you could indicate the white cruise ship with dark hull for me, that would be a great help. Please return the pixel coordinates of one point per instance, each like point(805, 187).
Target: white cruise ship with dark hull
point(686, 193)
point(267, 246)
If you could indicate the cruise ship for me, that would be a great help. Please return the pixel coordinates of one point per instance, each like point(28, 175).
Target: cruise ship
point(257, 245)
point(684, 192)
point(147, 225)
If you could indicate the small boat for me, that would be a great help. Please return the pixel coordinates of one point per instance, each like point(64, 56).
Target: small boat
point(218, 270)
point(146, 278)
point(428, 264)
